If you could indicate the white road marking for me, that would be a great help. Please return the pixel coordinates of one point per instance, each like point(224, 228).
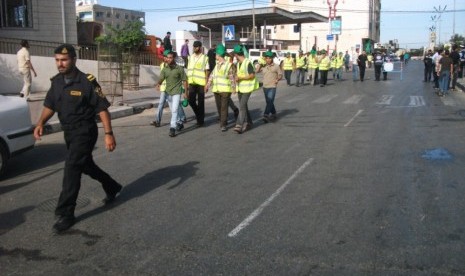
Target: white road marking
point(417, 101)
point(385, 100)
point(353, 118)
point(355, 99)
point(298, 98)
point(267, 202)
point(325, 99)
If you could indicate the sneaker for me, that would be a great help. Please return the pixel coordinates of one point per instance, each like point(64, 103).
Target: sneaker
point(21, 95)
point(63, 224)
point(172, 132)
point(179, 126)
point(223, 129)
point(265, 119)
point(155, 123)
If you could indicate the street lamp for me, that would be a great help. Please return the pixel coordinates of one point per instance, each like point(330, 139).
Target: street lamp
point(209, 35)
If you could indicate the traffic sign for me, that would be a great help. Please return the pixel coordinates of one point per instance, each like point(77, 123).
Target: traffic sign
point(329, 37)
point(229, 33)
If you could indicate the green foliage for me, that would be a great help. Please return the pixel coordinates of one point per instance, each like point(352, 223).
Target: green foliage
point(127, 39)
point(457, 39)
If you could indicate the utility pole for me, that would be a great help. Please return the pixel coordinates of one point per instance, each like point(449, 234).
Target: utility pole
point(440, 10)
point(253, 23)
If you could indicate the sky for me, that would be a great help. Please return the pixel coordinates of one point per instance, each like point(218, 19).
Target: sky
point(408, 21)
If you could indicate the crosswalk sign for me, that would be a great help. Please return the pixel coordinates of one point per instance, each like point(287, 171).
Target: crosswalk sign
point(228, 32)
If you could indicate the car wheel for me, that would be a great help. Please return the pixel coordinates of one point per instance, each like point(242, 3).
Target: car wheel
point(3, 158)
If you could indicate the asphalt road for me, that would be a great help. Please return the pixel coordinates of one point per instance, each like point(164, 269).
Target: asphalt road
point(356, 178)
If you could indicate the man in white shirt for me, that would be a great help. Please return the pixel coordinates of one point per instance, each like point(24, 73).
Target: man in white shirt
point(436, 57)
point(355, 70)
point(25, 67)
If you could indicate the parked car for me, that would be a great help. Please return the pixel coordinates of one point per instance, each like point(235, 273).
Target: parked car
point(16, 130)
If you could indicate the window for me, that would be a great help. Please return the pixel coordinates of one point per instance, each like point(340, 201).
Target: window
point(99, 14)
point(117, 15)
point(86, 16)
point(16, 13)
point(108, 14)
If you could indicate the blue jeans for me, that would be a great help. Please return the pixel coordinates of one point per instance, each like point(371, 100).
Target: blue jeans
point(270, 93)
point(173, 102)
point(444, 81)
point(355, 72)
point(161, 105)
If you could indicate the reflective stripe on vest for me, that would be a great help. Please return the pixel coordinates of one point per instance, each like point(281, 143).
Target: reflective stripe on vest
point(196, 70)
point(221, 81)
point(300, 63)
point(324, 64)
point(246, 86)
point(288, 64)
point(163, 84)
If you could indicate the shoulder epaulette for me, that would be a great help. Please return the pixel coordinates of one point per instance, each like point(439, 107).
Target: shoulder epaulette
point(90, 77)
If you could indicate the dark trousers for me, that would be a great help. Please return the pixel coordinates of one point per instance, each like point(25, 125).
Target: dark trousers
point(362, 72)
point(222, 103)
point(428, 72)
point(378, 71)
point(287, 75)
point(80, 142)
point(323, 77)
point(435, 77)
point(197, 101)
point(454, 76)
point(316, 78)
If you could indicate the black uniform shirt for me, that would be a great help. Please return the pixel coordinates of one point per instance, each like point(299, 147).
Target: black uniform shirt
point(76, 101)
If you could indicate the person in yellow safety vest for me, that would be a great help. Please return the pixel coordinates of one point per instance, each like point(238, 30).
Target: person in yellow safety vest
point(197, 75)
point(222, 82)
point(333, 63)
point(323, 67)
point(313, 67)
point(301, 65)
point(339, 65)
point(164, 99)
point(288, 67)
point(247, 83)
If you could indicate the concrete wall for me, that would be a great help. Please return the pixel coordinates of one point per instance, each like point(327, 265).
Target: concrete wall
point(12, 82)
point(47, 23)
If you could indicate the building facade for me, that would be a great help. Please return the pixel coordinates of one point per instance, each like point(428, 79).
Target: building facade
point(359, 28)
point(88, 11)
point(52, 20)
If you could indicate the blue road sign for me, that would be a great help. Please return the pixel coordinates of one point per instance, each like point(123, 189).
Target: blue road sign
point(228, 33)
point(329, 37)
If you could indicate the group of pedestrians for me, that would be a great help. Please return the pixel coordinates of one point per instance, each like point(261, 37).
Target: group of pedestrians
point(446, 67)
point(223, 78)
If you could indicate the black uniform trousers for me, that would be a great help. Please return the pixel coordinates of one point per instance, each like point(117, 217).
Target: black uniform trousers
point(362, 72)
point(428, 73)
point(80, 142)
point(378, 71)
point(197, 101)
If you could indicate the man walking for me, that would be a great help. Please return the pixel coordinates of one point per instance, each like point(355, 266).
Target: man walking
point(167, 42)
point(346, 61)
point(355, 68)
point(25, 67)
point(323, 68)
point(455, 56)
point(362, 63)
point(313, 67)
point(197, 74)
point(288, 67)
point(77, 97)
point(272, 74)
point(378, 65)
point(428, 61)
point(185, 52)
point(301, 64)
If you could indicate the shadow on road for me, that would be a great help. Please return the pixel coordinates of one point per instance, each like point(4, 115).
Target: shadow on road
point(12, 219)
point(148, 183)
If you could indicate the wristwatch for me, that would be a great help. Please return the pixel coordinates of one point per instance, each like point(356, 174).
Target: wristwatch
point(109, 133)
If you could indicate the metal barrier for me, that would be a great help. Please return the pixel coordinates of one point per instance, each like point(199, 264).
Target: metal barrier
point(394, 67)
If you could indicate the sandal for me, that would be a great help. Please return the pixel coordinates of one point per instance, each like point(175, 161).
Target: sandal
point(238, 129)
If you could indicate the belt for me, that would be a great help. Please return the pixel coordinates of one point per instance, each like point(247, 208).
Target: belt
point(77, 125)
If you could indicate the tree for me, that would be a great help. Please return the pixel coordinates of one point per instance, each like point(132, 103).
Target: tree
point(457, 39)
point(127, 39)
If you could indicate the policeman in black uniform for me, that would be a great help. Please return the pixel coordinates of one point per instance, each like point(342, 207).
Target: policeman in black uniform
point(379, 60)
point(77, 98)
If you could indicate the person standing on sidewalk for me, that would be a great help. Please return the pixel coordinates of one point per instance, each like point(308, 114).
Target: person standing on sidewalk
point(355, 68)
point(428, 61)
point(222, 81)
point(185, 52)
point(288, 67)
point(436, 58)
point(247, 83)
point(444, 71)
point(197, 73)
point(300, 64)
point(175, 83)
point(77, 98)
point(25, 67)
point(455, 56)
point(272, 74)
point(362, 64)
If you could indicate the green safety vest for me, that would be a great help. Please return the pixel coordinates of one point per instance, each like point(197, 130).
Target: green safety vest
point(300, 62)
point(246, 86)
point(163, 84)
point(221, 81)
point(288, 64)
point(324, 64)
point(196, 70)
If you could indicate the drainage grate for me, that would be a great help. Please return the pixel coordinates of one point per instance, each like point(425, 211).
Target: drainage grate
point(50, 204)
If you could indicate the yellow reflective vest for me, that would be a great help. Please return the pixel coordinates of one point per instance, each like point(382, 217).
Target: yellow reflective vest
point(300, 62)
point(196, 67)
point(313, 62)
point(246, 86)
point(220, 78)
point(324, 64)
point(288, 64)
point(339, 61)
point(163, 84)
point(333, 62)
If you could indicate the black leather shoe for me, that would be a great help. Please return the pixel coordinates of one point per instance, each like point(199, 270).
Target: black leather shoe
point(63, 224)
point(172, 132)
point(111, 197)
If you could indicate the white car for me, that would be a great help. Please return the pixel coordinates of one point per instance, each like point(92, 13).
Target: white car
point(16, 130)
